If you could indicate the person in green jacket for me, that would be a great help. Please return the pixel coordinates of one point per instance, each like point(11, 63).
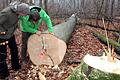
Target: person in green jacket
point(29, 25)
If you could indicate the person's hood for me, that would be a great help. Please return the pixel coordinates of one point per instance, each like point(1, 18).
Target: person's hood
point(20, 7)
point(13, 6)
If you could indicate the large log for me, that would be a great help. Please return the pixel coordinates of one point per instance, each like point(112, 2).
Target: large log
point(46, 49)
point(64, 30)
point(96, 68)
point(103, 39)
point(50, 49)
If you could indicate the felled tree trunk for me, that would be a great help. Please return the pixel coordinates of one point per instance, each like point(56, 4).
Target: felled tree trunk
point(46, 49)
point(65, 29)
point(98, 68)
point(49, 49)
point(103, 39)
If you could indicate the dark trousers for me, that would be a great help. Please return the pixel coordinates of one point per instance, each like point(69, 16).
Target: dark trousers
point(14, 56)
point(25, 36)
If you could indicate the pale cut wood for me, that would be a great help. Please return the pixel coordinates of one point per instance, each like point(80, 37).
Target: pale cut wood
point(41, 76)
point(103, 64)
point(55, 49)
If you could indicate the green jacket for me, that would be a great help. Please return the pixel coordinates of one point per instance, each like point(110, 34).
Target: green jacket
point(27, 26)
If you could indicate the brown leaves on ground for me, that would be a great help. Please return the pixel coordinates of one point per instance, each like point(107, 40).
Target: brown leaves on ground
point(82, 42)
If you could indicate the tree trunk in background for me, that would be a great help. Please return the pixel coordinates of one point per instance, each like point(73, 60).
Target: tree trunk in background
point(82, 8)
point(40, 3)
point(118, 7)
point(97, 6)
point(7, 2)
point(106, 7)
point(78, 3)
point(37, 2)
point(82, 5)
point(88, 8)
point(112, 7)
point(46, 8)
point(99, 11)
point(53, 3)
point(111, 13)
point(4, 4)
point(74, 4)
point(44, 5)
point(10, 1)
point(22, 1)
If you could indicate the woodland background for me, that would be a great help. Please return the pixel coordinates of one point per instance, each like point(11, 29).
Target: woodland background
point(89, 14)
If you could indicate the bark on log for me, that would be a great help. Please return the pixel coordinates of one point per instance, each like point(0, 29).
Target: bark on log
point(103, 39)
point(64, 30)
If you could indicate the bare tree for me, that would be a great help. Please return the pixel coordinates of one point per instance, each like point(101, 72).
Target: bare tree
point(87, 8)
point(44, 5)
point(110, 20)
point(46, 8)
point(41, 3)
point(118, 7)
point(99, 11)
point(78, 3)
point(22, 0)
point(112, 7)
point(74, 4)
point(106, 7)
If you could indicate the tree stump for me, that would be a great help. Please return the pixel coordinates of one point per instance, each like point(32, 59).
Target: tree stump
point(99, 68)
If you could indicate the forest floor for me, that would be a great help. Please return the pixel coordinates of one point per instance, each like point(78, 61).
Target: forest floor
point(82, 42)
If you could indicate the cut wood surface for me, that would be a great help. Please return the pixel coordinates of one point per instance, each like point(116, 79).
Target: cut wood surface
point(46, 49)
point(96, 68)
point(103, 64)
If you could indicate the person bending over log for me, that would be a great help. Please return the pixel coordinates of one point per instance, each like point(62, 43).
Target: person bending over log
point(29, 25)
